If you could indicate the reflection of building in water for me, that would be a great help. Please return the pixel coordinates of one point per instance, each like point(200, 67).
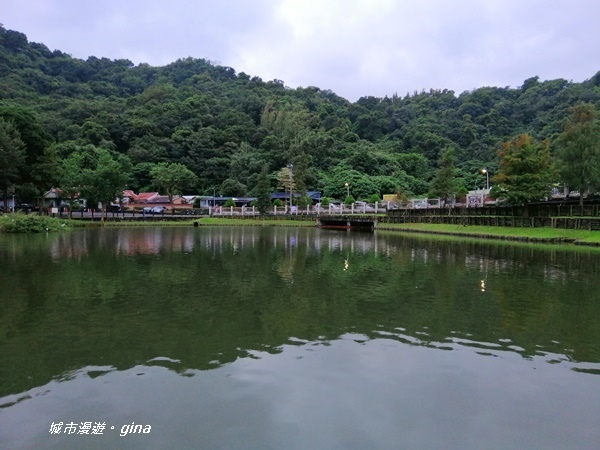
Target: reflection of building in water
point(69, 246)
point(152, 241)
point(126, 242)
point(290, 238)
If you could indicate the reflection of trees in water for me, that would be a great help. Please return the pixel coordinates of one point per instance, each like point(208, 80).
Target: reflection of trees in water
point(208, 296)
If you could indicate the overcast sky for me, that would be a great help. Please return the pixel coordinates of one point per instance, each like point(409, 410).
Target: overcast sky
point(353, 47)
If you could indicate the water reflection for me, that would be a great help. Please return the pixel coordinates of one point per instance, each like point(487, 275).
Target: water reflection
point(98, 303)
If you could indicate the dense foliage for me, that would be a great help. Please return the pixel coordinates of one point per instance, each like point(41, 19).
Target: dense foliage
point(225, 126)
point(525, 171)
point(30, 223)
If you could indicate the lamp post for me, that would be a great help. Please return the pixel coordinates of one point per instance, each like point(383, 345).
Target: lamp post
point(347, 190)
point(291, 167)
point(487, 178)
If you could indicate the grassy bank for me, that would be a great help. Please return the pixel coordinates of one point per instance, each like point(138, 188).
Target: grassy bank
point(34, 223)
point(518, 233)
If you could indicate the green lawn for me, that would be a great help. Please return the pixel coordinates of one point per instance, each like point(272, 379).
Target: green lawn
point(541, 233)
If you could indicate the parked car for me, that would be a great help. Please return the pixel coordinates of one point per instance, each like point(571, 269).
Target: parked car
point(158, 210)
point(114, 207)
point(331, 206)
point(363, 206)
point(25, 207)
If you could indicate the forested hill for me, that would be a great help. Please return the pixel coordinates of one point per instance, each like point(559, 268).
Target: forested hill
point(225, 126)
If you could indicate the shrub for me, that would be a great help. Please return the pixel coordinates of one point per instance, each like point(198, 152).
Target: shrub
point(325, 201)
point(229, 203)
point(374, 199)
point(304, 201)
point(30, 223)
point(349, 200)
point(277, 202)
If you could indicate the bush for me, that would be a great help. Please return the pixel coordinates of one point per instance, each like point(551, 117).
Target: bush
point(374, 199)
point(277, 202)
point(229, 203)
point(349, 200)
point(304, 201)
point(30, 223)
point(325, 201)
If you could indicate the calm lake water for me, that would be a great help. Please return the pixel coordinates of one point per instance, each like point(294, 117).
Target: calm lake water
point(285, 338)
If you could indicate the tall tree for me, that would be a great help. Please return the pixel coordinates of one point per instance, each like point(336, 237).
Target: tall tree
point(172, 178)
point(286, 180)
point(71, 180)
point(302, 164)
point(32, 133)
point(12, 156)
point(525, 171)
point(106, 179)
point(445, 183)
point(578, 150)
point(263, 191)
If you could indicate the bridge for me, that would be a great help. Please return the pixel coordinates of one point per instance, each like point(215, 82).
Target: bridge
point(348, 221)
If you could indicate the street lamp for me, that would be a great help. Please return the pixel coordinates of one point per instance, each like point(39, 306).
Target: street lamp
point(487, 177)
point(347, 190)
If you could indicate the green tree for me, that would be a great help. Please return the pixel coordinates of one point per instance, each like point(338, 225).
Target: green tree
point(286, 181)
point(173, 178)
point(302, 165)
point(578, 150)
point(525, 172)
point(304, 201)
point(31, 132)
point(233, 188)
point(12, 156)
point(263, 191)
point(71, 181)
point(445, 183)
point(106, 179)
point(47, 170)
point(360, 185)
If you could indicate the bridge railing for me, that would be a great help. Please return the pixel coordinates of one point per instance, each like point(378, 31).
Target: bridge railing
point(313, 210)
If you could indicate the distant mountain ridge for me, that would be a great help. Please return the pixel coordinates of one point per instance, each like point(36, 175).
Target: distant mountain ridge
point(225, 126)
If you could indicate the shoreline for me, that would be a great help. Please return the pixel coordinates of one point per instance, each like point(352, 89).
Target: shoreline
point(515, 234)
point(560, 236)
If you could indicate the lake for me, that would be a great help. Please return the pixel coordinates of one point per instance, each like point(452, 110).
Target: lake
point(296, 338)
